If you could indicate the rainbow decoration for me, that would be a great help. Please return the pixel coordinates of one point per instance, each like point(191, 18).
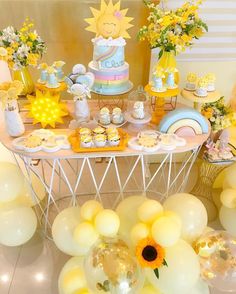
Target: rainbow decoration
point(184, 122)
point(109, 53)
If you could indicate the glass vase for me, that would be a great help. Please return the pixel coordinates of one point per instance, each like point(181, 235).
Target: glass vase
point(168, 60)
point(25, 77)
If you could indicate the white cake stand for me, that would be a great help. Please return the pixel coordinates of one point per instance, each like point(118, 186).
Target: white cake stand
point(137, 124)
point(110, 125)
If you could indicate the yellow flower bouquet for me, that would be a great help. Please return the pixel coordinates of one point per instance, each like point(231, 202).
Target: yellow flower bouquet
point(24, 47)
point(173, 30)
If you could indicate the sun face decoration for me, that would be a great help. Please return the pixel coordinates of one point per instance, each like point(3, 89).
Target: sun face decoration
point(110, 21)
point(46, 109)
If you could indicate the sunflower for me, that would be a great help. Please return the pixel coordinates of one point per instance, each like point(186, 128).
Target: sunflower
point(150, 254)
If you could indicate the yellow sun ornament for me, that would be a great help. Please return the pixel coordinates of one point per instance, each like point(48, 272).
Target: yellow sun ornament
point(110, 21)
point(46, 109)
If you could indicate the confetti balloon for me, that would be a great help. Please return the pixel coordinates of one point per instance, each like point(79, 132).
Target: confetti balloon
point(111, 267)
point(217, 255)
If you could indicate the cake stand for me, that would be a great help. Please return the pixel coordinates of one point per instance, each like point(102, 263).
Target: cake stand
point(53, 91)
point(137, 124)
point(112, 100)
point(198, 101)
point(158, 102)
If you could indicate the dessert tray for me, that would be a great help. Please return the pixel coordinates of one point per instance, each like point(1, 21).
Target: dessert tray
point(41, 140)
point(151, 141)
point(96, 118)
point(75, 141)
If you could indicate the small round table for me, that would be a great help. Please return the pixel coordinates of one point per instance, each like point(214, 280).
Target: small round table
point(53, 91)
point(198, 101)
point(159, 102)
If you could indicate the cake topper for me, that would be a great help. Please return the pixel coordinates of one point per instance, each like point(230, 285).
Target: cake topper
point(110, 21)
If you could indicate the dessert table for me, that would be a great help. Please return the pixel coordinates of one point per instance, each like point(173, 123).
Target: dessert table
point(66, 174)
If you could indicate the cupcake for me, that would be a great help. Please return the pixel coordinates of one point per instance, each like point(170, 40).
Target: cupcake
point(100, 140)
point(114, 139)
point(111, 131)
point(84, 131)
point(86, 141)
point(117, 116)
point(211, 82)
point(104, 116)
point(191, 82)
point(201, 89)
point(99, 131)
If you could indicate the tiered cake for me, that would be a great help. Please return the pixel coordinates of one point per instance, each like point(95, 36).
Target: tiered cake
point(108, 65)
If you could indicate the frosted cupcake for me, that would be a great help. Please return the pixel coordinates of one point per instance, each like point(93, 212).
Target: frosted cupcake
point(84, 131)
point(86, 141)
point(138, 110)
point(114, 139)
point(100, 140)
point(201, 89)
point(211, 78)
point(99, 131)
point(111, 131)
point(191, 82)
point(104, 116)
point(117, 116)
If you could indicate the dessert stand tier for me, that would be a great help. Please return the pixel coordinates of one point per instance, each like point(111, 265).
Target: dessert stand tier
point(158, 102)
point(70, 178)
point(198, 101)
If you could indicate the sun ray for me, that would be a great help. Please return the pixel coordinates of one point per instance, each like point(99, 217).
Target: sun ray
point(109, 21)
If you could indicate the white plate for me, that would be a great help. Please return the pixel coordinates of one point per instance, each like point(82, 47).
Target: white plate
point(111, 125)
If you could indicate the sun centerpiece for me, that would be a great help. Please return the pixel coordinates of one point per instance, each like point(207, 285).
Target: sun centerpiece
point(46, 109)
point(110, 21)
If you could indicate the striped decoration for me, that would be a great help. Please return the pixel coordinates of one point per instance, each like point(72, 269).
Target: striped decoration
point(219, 44)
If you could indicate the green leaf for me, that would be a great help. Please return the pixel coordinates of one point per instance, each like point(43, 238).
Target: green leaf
point(156, 271)
point(160, 54)
point(165, 263)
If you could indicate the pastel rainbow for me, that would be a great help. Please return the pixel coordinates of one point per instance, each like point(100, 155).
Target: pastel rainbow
point(107, 55)
point(184, 118)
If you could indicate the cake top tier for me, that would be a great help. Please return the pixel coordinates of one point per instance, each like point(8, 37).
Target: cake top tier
point(110, 21)
point(100, 41)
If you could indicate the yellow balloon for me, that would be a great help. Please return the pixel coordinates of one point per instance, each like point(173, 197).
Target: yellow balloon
point(139, 231)
point(218, 183)
point(85, 235)
point(228, 198)
point(173, 216)
point(192, 212)
point(11, 181)
point(149, 210)
point(165, 231)
point(200, 287)
point(90, 209)
point(228, 219)
point(230, 176)
point(107, 223)
point(212, 211)
point(182, 272)
point(68, 283)
point(62, 231)
point(148, 289)
point(17, 224)
point(216, 197)
point(127, 211)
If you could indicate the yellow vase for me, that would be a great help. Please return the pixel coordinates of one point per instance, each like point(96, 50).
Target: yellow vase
point(24, 76)
point(168, 60)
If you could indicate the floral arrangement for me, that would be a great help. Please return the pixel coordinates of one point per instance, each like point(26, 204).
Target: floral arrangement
point(24, 47)
point(9, 92)
point(173, 30)
point(219, 115)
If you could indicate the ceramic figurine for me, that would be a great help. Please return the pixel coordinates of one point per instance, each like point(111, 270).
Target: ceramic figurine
point(201, 89)
point(43, 74)
point(59, 72)
point(191, 81)
point(211, 82)
point(52, 79)
point(157, 80)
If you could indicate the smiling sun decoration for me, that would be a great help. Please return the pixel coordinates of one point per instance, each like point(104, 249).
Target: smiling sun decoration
point(110, 21)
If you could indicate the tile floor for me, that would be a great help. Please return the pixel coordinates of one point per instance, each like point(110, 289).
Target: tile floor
point(35, 266)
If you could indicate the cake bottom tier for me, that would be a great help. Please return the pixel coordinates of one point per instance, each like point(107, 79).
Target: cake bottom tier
point(113, 81)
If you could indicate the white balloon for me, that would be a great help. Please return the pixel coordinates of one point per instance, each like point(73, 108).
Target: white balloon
point(192, 213)
point(200, 288)
point(182, 272)
point(79, 69)
point(62, 231)
point(127, 212)
point(228, 198)
point(228, 219)
point(17, 225)
point(11, 181)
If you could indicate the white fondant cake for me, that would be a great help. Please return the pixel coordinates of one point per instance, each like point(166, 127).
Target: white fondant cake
point(109, 66)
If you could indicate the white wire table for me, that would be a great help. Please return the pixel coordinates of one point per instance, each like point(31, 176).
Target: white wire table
point(71, 178)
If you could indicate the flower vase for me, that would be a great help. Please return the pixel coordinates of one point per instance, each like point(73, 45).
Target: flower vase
point(5, 75)
point(168, 60)
point(82, 111)
point(13, 123)
point(24, 76)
